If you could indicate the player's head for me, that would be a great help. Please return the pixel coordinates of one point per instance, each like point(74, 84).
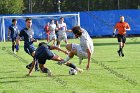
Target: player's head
point(42, 43)
point(14, 21)
point(61, 19)
point(77, 31)
point(28, 22)
point(121, 18)
point(52, 21)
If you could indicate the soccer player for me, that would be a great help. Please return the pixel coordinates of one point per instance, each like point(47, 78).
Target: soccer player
point(13, 32)
point(43, 53)
point(83, 50)
point(52, 28)
point(62, 32)
point(122, 27)
point(27, 33)
point(46, 28)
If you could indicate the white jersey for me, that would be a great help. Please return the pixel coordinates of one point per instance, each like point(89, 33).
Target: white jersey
point(63, 28)
point(52, 29)
point(86, 42)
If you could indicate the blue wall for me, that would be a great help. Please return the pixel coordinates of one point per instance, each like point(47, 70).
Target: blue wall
point(97, 23)
point(100, 23)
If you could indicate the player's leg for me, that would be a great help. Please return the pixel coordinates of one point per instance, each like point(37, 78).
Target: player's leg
point(123, 44)
point(31, 51)
point(54, 40)
point(119, 37)
point(57, 58)
point(13, 44)
point(43, 68)
point(65, 39)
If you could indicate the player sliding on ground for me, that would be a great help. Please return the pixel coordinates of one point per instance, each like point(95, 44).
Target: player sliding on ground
point(43, 53)
point(83, 50)
point(122, 27)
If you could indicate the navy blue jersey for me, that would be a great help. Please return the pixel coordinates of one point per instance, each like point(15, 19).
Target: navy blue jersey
point(14, 31)
point(27, 34)
point(43, 52)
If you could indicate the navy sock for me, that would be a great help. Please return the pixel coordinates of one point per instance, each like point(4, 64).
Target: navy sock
point(36, 66)
point(71, 65)
point(13, 47)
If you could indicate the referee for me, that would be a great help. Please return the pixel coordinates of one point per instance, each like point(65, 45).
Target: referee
point(122, 27)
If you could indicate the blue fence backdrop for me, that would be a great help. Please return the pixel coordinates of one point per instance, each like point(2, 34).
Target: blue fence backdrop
point(97, 23)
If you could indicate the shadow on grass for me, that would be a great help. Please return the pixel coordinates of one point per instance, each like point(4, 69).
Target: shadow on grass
point(14, 81)
point(8, 71)
point(106, 44)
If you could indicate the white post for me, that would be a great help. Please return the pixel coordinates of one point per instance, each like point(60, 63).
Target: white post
point(3, 29)
point(78, 19)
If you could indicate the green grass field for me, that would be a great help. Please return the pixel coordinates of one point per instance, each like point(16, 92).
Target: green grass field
point(108, 73)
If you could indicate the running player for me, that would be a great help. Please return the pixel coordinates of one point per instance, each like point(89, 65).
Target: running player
point(43, 53)
point(27, 33)
point(122, 27)
point(13, 32)
point(83, 50)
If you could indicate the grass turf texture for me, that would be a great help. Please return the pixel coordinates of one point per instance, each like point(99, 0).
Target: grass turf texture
point(108, 72)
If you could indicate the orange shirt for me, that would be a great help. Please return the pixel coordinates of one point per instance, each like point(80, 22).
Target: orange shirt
point(121, 26)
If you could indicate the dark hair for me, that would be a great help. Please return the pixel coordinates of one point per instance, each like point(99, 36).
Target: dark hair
point(28, 19)
point(13, 20)
point(77, 30)
point(62, 18)
point(42, 43)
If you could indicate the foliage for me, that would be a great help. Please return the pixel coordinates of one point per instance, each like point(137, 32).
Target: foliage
point(11, 7)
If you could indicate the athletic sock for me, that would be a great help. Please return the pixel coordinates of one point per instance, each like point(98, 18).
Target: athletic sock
point(67, 59)
point(71, 65)
point(13, 47)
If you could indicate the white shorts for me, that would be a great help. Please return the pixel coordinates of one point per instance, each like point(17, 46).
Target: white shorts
point(62, 37)
point(52, 37)
point(80, 53)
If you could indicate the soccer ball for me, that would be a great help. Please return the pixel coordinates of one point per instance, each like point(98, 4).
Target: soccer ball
point(72, 71)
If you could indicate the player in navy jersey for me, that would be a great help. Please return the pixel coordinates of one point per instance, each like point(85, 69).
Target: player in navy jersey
point(43, 53)
point(27, 33)
point(13, 32)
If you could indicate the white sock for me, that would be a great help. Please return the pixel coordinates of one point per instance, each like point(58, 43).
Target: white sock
point(67, 59)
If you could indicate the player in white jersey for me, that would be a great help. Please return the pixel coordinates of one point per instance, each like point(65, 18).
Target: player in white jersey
point(83, 50)
point(62, 32)
point(52, 28)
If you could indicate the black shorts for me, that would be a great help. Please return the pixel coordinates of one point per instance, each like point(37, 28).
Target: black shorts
point(13, 39)
point(43, 54)
point(121, 38)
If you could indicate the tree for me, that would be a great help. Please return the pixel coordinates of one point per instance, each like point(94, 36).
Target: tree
point(11, 6)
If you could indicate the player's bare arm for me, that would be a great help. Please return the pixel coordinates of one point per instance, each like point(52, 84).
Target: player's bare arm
point(57, 48)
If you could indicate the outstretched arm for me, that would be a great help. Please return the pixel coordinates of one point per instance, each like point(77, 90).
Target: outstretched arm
point(32, 66)
point(57, 48)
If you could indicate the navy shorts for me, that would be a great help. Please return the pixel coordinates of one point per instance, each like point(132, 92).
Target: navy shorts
point(13, 39)
point(121, 38)
point(42, 54)
point(29, 49)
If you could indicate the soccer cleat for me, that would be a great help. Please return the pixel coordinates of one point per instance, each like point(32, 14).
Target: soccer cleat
point(28, 67)
point(49, 73)
point(122, 54)
point(119, 52)
point(36, 69)
point(80, 70)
